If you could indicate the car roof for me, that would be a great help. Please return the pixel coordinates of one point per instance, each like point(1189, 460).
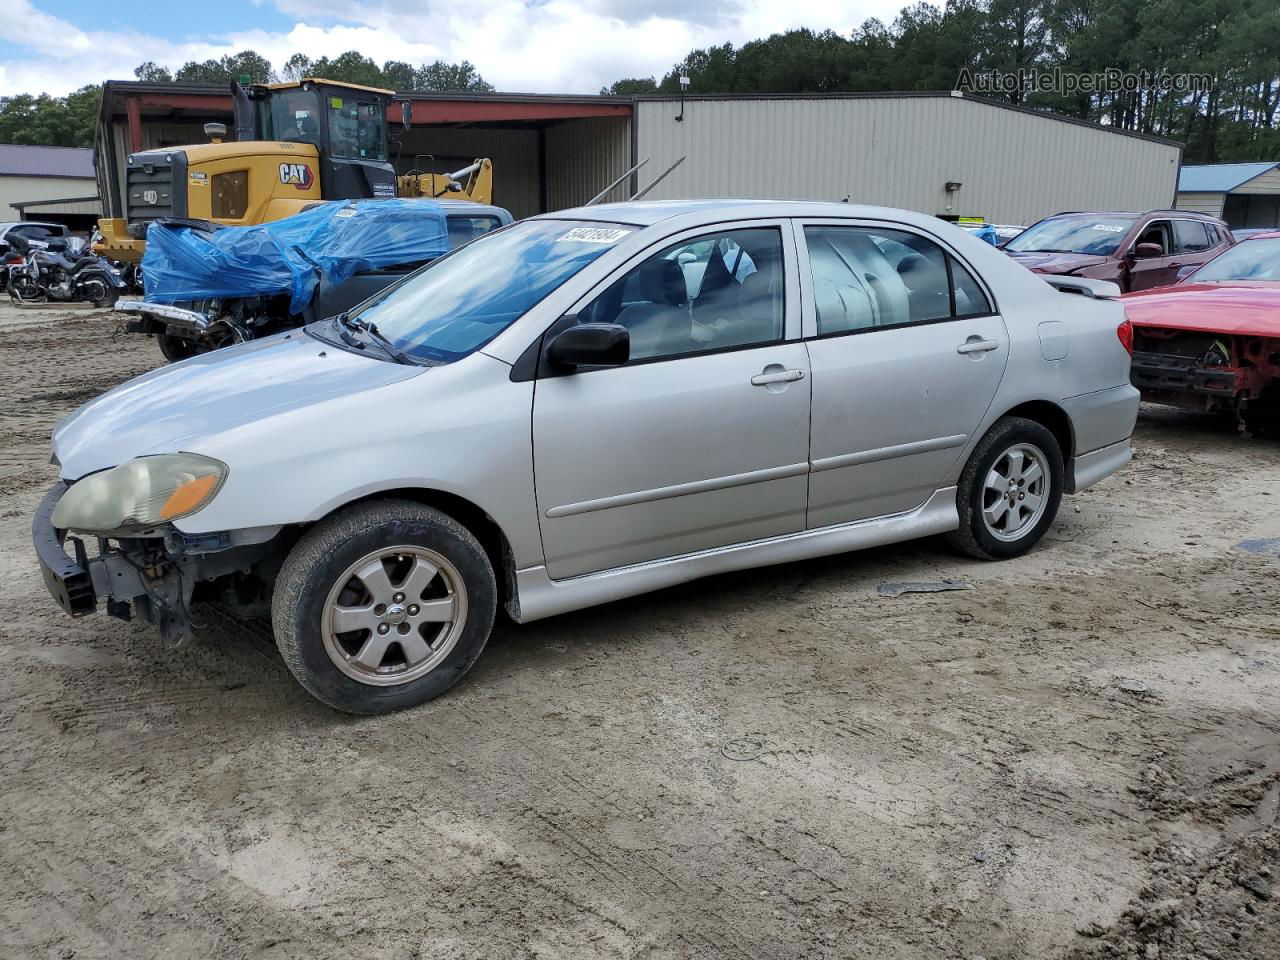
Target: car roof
point(9, 224)
point(467, 206)
point(1179, 214)
point(645, 213)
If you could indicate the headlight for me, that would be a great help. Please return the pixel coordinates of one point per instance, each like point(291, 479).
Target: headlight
point(140, 494)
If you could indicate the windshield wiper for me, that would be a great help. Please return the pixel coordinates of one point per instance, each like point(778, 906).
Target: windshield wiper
point(371, 329)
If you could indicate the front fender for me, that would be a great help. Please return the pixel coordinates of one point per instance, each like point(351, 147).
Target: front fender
point(461, 429)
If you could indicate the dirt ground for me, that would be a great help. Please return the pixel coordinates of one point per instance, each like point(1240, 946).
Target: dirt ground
point(1078, 757)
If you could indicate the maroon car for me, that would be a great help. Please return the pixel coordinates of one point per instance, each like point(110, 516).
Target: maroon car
point(1212, 341)
point(1135, 250)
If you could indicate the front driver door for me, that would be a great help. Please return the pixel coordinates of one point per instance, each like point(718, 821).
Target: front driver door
point(701, 439)
point(907, 354)
point(1156, 271)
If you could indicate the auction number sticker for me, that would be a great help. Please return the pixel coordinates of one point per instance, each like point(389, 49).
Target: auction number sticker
point(592, 235)
point(1107, 228)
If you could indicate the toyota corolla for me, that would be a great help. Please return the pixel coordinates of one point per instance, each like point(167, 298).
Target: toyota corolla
point(585, 406)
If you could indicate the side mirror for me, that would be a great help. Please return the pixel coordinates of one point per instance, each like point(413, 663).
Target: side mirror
point(1145, 251)
point(406, 114)
point(590, 345)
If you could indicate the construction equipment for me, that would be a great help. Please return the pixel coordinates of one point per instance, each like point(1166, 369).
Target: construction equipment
point(296, 144)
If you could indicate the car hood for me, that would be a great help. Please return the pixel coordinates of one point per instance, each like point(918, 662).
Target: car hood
point(173, 408)
point(1239, 307)
point(1056, 262)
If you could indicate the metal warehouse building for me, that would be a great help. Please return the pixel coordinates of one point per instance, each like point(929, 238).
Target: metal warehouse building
point(48, 183)
point(947, 154)
point(1243, 194)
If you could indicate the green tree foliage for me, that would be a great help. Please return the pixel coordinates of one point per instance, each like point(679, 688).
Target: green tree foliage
point(629, 87)
point(67, 121)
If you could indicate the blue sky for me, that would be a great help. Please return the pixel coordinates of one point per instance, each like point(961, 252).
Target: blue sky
point(569, 46)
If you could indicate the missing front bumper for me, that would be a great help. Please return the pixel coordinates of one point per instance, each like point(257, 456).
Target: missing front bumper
point(67, 579)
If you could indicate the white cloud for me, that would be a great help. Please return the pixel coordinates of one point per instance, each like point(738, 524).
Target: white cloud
point(556, 46)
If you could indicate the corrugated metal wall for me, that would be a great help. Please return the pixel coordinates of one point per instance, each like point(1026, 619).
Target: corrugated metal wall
point(1015, 167)
point(1210, 203)
point(1268, 182)
point(514, 152)
point(15, 189)
point(583, 156)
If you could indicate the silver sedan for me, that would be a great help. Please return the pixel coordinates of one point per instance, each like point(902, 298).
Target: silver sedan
point(585, 406)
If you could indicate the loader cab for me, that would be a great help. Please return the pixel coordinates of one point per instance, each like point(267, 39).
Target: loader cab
point(346, 123)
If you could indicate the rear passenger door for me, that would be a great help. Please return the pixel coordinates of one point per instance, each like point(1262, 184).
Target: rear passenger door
point(906, 351)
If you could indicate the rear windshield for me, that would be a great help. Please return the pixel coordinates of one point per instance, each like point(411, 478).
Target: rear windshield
point(455, 305)
point(1247, 260)
point(1079, 233)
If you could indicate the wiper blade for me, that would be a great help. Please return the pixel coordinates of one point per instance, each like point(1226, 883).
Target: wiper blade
point(399, 355)
point(347, 338)
point(371, 330)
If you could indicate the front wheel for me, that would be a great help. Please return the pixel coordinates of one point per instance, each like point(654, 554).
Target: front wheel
point(176, 349)
point(1010, 489)
point(383, 606)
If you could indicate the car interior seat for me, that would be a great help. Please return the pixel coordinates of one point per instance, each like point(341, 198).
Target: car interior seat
point(660, 324)
point(927, 287)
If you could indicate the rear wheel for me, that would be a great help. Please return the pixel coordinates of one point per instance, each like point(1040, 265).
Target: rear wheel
point(1010, 489)
point(383, 606)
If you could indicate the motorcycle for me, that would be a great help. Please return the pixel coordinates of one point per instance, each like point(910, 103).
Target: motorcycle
point(44, 271)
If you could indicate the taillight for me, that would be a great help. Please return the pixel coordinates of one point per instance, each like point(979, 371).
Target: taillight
point(1125, 333)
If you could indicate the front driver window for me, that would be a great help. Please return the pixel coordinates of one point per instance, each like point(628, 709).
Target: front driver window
point(1156, 233)
point(716, 292)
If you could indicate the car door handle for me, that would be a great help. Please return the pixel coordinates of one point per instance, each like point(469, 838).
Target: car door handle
point(974, 345)
point(778, 376)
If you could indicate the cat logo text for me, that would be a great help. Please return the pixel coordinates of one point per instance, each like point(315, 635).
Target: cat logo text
point(297, 174)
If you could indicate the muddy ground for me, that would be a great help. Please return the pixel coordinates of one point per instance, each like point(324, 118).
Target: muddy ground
point(1079, 757)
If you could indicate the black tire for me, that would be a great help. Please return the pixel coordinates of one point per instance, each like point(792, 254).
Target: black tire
point(177, 348)
point(973, 536)
point(109, 300)
point(327, 551)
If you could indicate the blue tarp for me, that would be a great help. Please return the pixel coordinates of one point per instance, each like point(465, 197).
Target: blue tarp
point(289, 256)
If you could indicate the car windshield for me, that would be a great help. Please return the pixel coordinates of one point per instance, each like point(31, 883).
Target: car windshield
point(1247, 260)
point(1081, 233)
point(455, 305)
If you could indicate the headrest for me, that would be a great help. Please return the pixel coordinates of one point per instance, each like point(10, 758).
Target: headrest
point(662, 281)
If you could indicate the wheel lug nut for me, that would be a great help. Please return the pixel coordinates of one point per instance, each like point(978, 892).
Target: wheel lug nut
point(413, 609)
point(383, 628)
point(398, 598)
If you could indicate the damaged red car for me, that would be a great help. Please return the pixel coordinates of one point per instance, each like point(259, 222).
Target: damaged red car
point(1212, 341)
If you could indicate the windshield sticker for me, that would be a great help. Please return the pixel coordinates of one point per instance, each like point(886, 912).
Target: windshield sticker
point(1107, 228)
point(592, 235)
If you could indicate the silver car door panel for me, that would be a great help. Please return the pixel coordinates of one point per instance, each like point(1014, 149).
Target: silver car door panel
point(667, 458)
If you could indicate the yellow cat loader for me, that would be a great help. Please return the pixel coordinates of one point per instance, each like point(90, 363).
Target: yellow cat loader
point(295, 144)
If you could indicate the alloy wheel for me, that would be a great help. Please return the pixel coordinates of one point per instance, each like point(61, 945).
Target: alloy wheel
point(394, 615)
point(1015, 492)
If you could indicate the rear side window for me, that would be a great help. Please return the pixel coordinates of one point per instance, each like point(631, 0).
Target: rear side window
point(1191, 236)
point(867, 278)
point(465, 229)
point(970, 300)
